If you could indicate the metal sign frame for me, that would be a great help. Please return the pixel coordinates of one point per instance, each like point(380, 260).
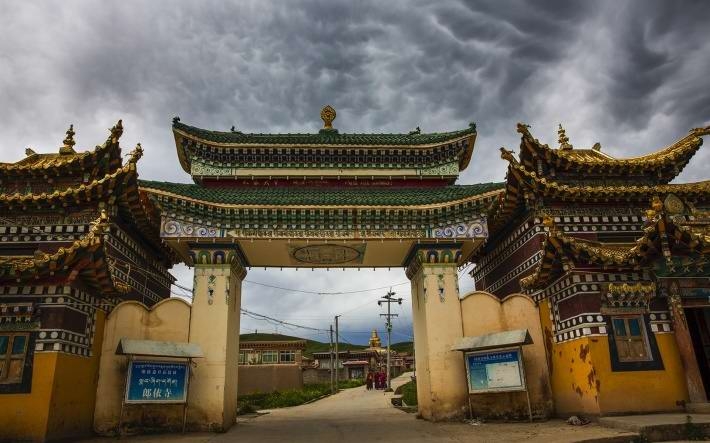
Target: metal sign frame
point(186, 380)
point(521, 370)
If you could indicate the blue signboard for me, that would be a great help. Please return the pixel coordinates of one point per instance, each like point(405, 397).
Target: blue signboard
point(495, 371)
point(157, 382)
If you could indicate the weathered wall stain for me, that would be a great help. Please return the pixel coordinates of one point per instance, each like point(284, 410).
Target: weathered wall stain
point(548, 348)
point(583, 351)
point(591, 377)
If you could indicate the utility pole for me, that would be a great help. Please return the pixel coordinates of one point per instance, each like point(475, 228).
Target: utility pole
point(389, 299)
point(337, 355)
point(332, 386)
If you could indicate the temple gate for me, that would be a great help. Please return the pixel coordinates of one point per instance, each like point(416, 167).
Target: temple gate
point(323, 200)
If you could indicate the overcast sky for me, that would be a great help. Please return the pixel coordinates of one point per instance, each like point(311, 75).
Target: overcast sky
point(632, 75)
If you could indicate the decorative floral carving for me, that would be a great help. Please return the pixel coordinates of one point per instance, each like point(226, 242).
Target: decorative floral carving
point(176, 228)
point(472, 229)
point(445, 169)
point(199, 168)
point(628, 297)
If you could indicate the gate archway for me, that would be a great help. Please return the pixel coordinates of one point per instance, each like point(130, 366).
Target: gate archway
point(318, 201)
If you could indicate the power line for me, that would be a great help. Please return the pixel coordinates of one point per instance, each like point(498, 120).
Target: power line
point(281, 322)
point(303, 291)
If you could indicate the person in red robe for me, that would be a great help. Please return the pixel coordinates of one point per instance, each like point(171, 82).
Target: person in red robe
point(368, 381)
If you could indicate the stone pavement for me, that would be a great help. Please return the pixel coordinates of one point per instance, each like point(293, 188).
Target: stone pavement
point(659, 427)
point(358, 415)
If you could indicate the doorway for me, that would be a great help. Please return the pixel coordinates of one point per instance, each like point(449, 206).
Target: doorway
point(699, 326)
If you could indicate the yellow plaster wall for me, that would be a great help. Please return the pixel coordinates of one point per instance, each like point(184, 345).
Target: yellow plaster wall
point(61, 403)
point(484, 313)
point(74, 393)
point(640, 391)
point(583, 382)
point(168, 320)
point(25, 416)
point(570, 366)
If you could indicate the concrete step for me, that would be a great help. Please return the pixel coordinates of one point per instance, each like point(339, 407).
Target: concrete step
point(626, 437)
point(698, 408)
point(662, 427)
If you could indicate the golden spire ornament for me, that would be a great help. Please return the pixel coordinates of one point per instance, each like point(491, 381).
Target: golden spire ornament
point(328, 114)
point(563, 139)
point(69, 142)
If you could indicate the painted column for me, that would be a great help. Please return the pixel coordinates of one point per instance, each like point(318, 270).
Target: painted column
point(436, 316)
point(696, 391)
point(214, 325)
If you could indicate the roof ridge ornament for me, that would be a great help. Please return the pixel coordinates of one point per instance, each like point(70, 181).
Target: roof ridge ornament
point(328, 114)
point(116, 131)
point(69, 142)
point(507, 154)
point(29, 152)
point(136, 154)
point(699, 132)
point(562, 138)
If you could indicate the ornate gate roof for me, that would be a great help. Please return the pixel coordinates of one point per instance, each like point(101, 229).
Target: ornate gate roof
point(210, 155)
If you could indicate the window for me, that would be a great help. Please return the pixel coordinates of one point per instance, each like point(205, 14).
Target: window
point(242, 357)
point(253, 358)
point(269, 357)
point(287, 356)
point(13, 350)
point(630, 338)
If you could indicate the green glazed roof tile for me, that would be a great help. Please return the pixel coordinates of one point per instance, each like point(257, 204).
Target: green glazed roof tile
point(280, 196)
point(324, 137)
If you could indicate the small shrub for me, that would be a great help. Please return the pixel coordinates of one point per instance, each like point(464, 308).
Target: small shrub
point(281, 399)
point(351, 383)
point(408, 391)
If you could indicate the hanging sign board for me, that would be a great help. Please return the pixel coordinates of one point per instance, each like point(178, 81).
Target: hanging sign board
point(157, 382)
point(498, 370)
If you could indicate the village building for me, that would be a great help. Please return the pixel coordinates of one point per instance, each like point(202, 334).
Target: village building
point(267, 365)
point(351, 364)
point(355, 363)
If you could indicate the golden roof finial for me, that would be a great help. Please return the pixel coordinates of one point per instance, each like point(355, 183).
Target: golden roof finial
point(328, 114)
point(375, 340)
point(563, 139)
point(69, 142)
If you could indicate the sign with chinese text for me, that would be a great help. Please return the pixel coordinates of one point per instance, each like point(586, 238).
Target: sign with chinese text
point(495, 371)
point(157, 382)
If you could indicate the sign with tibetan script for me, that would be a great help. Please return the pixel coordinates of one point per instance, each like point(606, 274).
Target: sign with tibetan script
point(157, 382)
point(495, 371)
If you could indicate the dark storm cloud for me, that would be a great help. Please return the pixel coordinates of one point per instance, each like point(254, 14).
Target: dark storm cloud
point(631, 75)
